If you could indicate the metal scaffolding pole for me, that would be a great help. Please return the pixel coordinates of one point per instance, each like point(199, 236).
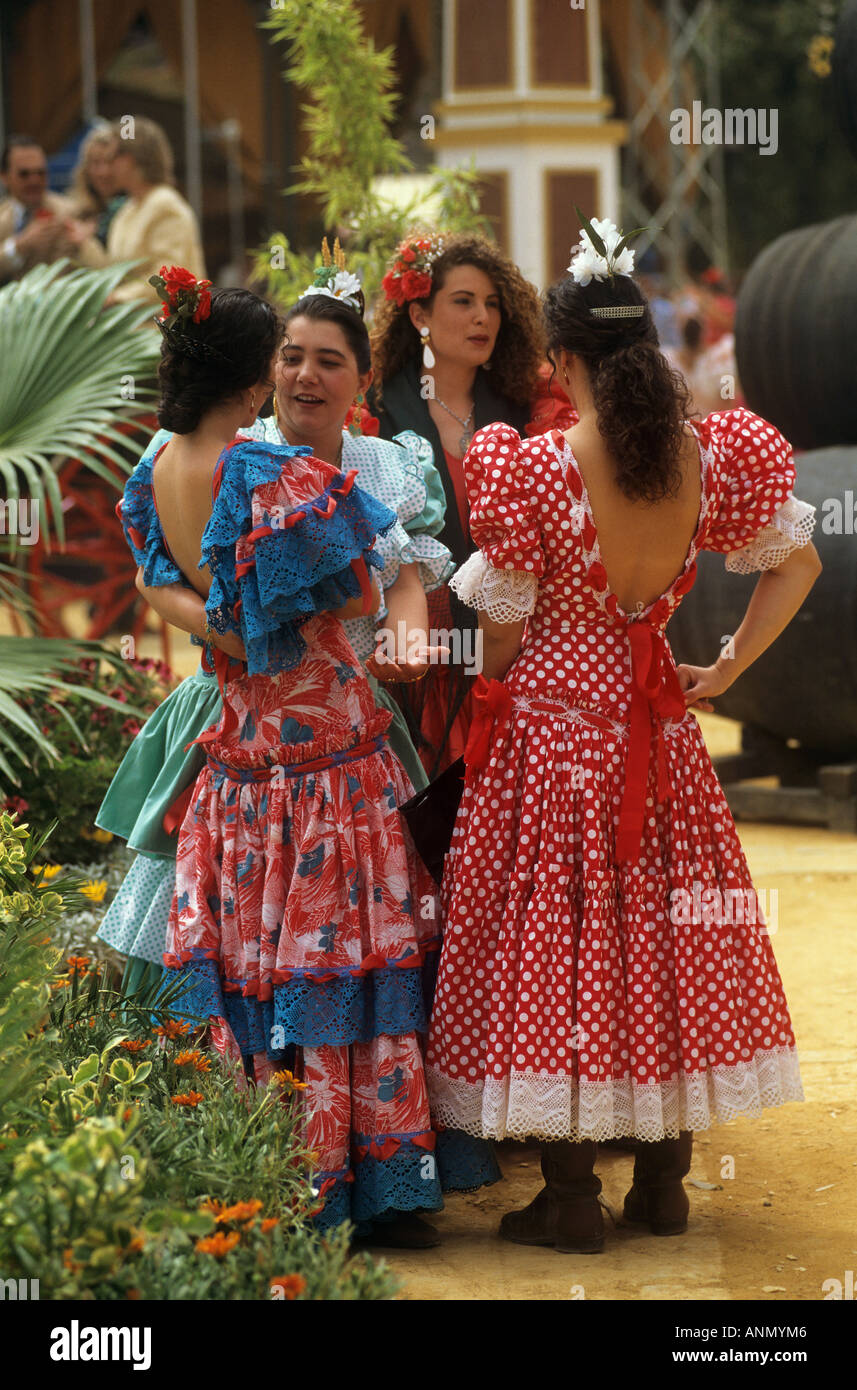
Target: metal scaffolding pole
point(88, 72)
point(677, 191)
point(192, 134)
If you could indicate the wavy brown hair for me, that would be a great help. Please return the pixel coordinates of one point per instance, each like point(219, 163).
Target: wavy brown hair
point(520, 346)
point(641, 402)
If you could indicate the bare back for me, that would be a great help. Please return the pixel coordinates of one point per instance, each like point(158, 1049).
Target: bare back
point(182, 486)
point(643, 545)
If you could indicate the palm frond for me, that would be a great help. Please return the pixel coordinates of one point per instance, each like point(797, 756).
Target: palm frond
point(76, 377)
point(33, 665)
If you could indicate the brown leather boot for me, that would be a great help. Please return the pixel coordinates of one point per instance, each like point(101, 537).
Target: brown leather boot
point(566, 1213)
point(657, 1196)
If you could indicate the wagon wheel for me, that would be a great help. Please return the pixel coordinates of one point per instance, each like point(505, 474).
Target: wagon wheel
point(92, 567)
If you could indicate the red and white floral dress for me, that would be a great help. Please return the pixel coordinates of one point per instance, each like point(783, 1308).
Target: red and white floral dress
point(582, 993)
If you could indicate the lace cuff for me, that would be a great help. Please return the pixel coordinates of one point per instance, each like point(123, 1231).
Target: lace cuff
point(505, 595)
point(790, 528)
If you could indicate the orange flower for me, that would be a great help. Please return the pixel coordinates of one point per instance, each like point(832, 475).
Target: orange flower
point(77, 965)
point(291, 1285)
point(212, 1205)
point(194, 1058)
point(134, 1245)
point(241, 1211)
point(127, 1114)
point(192, 1098)
point(172, 1029)
point(219, 1244)
point(69, 1261)
point(269, 1223)
point(285, 1078)
point(136, 1044)
point(133, 1294)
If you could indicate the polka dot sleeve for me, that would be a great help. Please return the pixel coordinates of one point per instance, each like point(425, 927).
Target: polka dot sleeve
point(754, 518)
point(502, 578)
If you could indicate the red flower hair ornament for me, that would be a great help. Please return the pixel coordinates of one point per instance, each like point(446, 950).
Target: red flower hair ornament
point(184, 300)
point(410, 276)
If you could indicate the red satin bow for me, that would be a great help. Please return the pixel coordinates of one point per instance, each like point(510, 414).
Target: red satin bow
point(656, 695)
point(492, 709)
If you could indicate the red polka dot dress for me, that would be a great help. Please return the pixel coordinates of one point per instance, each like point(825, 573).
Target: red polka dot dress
point(606, 969)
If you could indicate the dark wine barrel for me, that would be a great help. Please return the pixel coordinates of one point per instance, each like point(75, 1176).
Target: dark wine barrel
point(804, 687)
point(845, 73)
point(796, 334)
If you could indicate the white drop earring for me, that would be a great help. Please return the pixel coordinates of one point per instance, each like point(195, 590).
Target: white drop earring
point(428, 355)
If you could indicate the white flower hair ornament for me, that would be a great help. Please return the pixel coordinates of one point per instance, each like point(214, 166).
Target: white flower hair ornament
point(602, 254)
point(333, 280)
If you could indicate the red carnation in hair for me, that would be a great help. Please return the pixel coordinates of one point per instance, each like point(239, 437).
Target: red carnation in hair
point(416, 284)
point(409, 254)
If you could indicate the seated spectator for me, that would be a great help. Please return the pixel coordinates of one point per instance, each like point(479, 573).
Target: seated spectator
point(155, 224)
point(37, 226)
point(93, 184)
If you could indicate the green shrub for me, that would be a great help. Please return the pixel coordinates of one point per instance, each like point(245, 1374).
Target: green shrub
point(133, 1164)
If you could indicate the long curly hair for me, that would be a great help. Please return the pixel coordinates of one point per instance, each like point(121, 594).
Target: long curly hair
point(641, 402)
point(520, 346)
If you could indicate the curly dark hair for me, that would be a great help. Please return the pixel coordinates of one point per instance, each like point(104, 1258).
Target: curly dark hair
point(641, 402)
point(520, 346)
point(203, 364)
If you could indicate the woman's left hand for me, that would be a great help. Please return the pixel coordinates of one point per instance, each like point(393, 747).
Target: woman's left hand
point(402, 672)
point(701, 684)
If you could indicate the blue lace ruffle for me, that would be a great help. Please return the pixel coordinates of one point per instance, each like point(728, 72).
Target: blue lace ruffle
point(298, 571)
point(465, 1163)
point(331, 1013)
point(412, 1179)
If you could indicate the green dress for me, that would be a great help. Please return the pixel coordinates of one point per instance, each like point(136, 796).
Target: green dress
point(163, 761)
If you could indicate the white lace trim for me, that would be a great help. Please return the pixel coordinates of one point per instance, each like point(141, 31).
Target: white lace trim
point(543, 1106)
point(789, 529)
point(505, 595)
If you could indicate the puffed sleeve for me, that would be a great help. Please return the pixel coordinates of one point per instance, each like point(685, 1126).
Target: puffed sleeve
point(289, 536)
point(415, 492)
point(139, 519)
point(502, 577)
point(754, 517)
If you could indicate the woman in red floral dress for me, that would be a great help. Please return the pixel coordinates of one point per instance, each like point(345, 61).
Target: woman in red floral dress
point(581, 994)
point(302, 917)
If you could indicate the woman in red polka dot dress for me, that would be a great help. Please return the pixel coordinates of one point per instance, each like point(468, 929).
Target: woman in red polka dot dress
point(592, 983)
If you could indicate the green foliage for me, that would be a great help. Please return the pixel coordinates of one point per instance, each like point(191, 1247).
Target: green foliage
point(812, 177)
point(132, 1165)
point(79, 736)
point(351, 86)
point(67, 365)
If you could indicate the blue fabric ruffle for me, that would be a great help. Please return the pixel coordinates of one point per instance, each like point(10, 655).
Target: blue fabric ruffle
point(311, 1013)
point(298, 571)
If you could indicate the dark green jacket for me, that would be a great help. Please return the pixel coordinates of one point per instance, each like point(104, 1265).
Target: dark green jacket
point(403, 408)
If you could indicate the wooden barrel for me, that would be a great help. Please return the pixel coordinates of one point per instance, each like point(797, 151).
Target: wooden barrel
point(845, 73)
point(796, 334)
point(804, 687)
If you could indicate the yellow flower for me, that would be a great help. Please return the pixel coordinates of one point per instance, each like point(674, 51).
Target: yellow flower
point(50, 871)
point(95, 890)
point(286, 1079)
point(102, 836)
point(819, 54)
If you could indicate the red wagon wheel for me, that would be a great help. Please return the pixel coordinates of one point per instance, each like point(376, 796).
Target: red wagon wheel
point(93, 565)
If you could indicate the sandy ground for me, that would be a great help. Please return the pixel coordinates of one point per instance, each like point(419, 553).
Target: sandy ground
point(786, 1222)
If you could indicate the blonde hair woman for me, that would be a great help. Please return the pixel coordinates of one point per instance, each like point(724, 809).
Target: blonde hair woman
point(156, 225)
point(93, 188)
